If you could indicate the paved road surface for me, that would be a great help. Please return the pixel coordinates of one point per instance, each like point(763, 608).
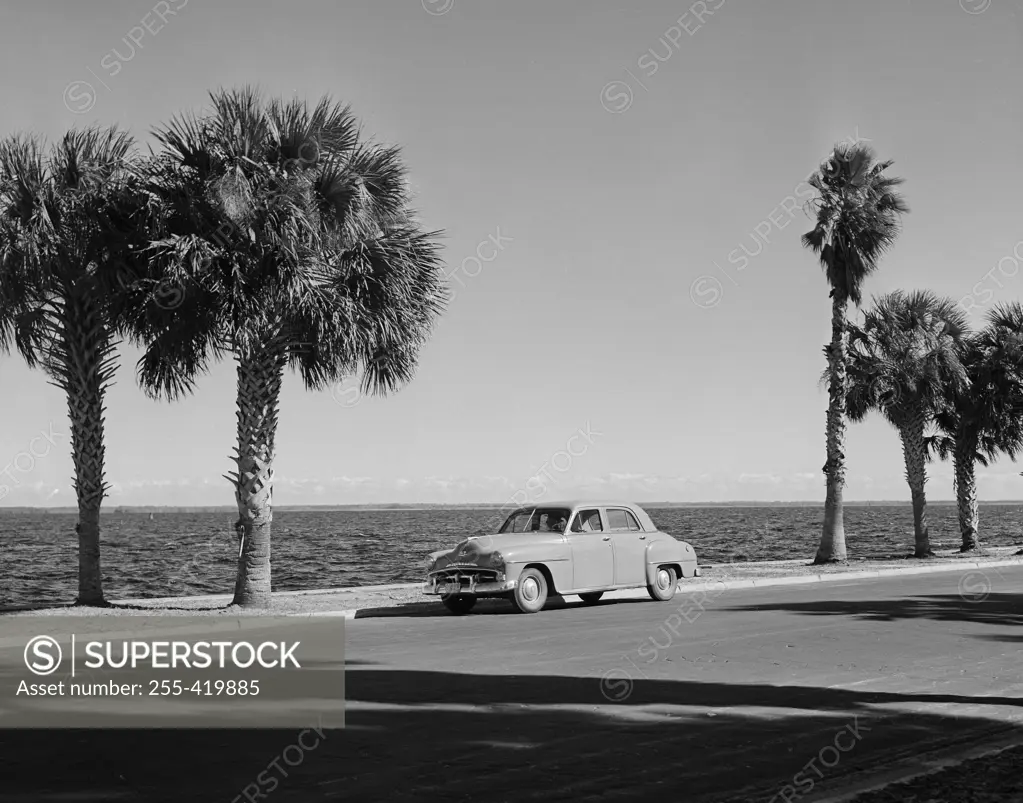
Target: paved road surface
point(728, 701)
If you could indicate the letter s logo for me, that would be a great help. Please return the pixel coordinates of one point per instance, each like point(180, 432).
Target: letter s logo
point(613, 101)
point(706, 292)
point(43, 655)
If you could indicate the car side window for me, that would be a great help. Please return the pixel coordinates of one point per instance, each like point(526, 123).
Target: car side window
point(587, 521)
point(618, 519)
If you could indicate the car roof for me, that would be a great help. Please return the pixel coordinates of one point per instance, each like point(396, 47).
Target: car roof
point(574, 504)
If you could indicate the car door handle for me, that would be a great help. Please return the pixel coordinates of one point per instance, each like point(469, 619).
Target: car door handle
point(607, 538)
point(642, 538)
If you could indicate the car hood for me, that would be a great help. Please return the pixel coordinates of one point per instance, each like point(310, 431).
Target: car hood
point(477, 548)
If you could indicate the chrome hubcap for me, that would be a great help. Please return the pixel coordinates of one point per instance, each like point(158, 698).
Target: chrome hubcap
point(663, 579)
point(530, 589)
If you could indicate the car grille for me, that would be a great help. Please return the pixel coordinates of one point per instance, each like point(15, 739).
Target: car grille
point(464, 573)
point(465, 577)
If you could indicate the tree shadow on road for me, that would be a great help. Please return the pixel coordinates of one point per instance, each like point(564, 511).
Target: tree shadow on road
point(993, 609)
point(1000, 637)
point(424, 735)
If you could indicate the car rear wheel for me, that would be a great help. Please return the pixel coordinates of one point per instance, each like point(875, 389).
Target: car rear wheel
point(530, 594)
point(460, 604)
point(591, 597)
point(664, 585)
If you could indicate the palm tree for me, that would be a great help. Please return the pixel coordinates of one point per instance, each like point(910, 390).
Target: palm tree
point(294, 244)
point(905, 358)
point(68, 216)
point(858, 220)
point(982, 420)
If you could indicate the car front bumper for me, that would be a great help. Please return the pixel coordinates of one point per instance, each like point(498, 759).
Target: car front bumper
point(444, 583)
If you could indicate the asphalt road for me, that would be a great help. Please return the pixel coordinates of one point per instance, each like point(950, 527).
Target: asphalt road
point(728, 699)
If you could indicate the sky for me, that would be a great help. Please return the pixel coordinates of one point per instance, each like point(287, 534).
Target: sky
point(619, 186)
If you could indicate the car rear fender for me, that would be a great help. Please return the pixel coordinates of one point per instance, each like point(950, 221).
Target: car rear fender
point(667, 551)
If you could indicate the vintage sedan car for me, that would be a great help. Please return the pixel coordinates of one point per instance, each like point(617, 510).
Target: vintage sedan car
point(583, 548)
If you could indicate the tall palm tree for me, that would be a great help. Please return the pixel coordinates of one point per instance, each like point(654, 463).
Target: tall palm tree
point(294, 244)
point(68, 216)
point(982, 420)
point(858, 219)
point(904, 359)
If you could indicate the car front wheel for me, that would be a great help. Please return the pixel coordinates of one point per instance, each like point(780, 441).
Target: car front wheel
point(460, 604)
point(530, 594)
point(664, 585)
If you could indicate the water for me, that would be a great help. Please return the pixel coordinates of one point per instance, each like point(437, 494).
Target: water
point(178, 554)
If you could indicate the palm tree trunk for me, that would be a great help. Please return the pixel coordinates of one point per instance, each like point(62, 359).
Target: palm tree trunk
point(259, 388)
point(83, 372)
point(832, 546)
point(915, 454)
point(966, 493)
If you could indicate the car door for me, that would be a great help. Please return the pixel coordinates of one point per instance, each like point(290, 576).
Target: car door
point(593, 563)
point(630, 544)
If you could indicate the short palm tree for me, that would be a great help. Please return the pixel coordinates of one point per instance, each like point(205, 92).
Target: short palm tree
point(294, 244)
point(982, 420)
point(904, 360)
point(69, 215)
point(858, 210)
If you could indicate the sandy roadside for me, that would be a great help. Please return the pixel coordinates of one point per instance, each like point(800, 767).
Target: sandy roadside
point(379, 597)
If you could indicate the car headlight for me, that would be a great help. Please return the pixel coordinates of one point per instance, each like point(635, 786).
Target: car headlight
point(497, 560)
point(430, 563)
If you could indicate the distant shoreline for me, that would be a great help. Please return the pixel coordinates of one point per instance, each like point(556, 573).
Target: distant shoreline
point(384, 508)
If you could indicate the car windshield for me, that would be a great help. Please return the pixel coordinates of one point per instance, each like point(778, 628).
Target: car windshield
point(538, 519)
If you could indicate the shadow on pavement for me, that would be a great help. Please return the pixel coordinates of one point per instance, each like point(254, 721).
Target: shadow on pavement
point(992, 609)
point(424, 735)
point(485, 607)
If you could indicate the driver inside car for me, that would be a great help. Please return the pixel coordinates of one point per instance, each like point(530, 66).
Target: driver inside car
point(556, 523)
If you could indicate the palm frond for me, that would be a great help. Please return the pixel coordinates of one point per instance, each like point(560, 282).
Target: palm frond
point(66, 215)
point(287, 232)
point(859, 214)
point(906, 357)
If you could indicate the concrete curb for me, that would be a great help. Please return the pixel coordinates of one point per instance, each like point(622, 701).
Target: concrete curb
point(860, 575)
point(310, 592)
point(992, 553)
